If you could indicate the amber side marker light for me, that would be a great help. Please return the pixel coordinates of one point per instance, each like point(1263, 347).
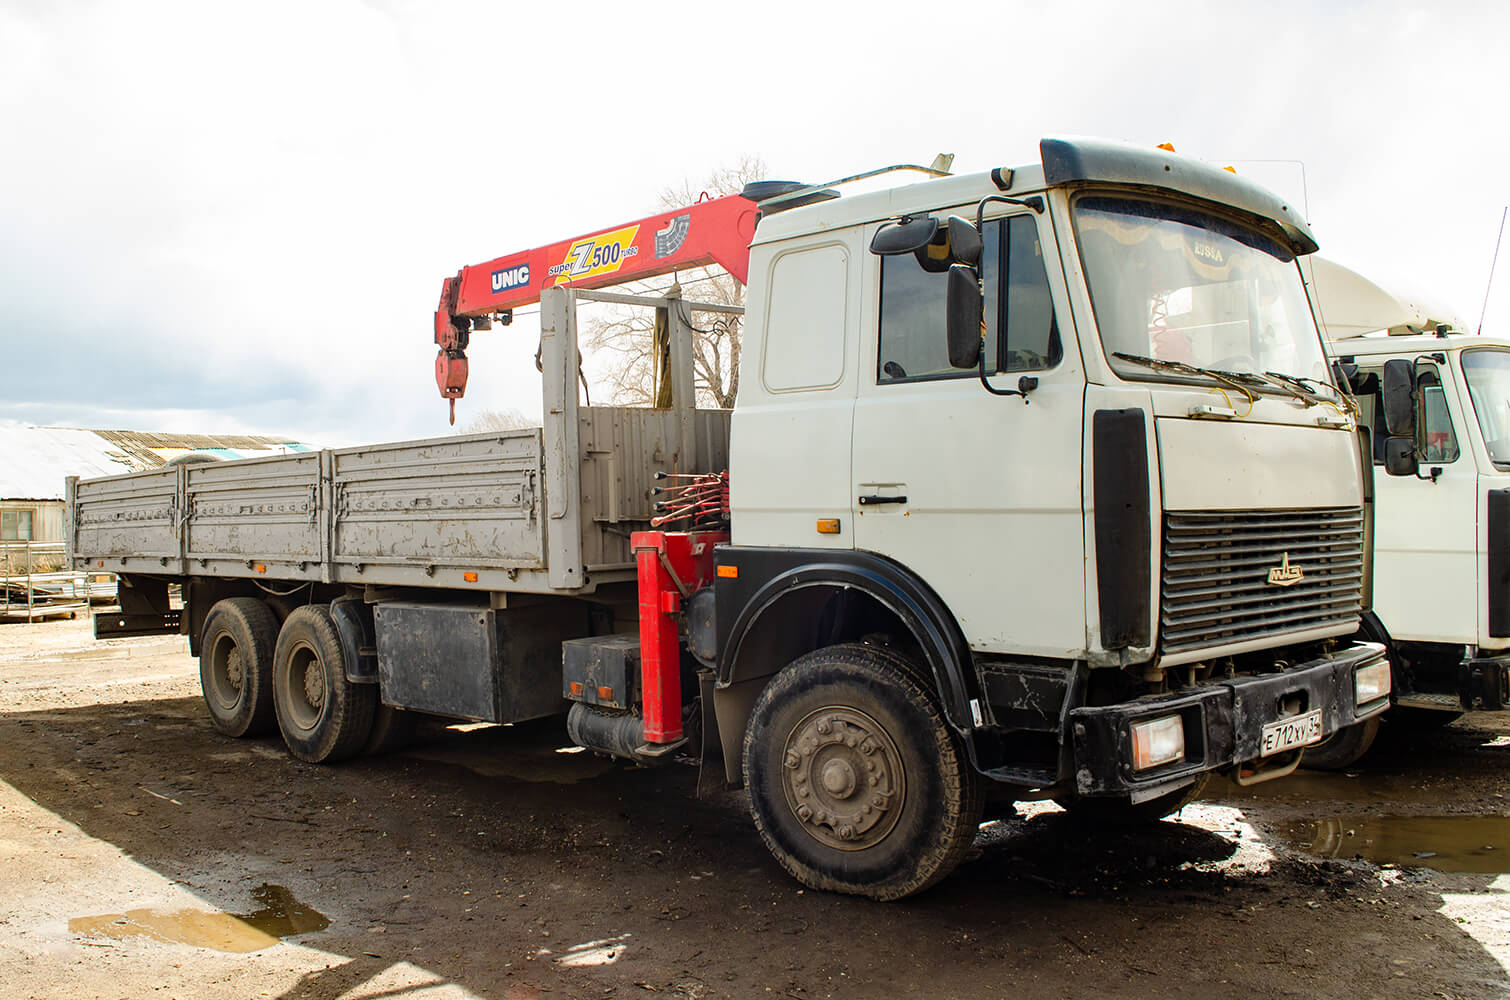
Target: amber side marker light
point(469, 577)
point(260, 568)
point(828, 525)
point(729, 572)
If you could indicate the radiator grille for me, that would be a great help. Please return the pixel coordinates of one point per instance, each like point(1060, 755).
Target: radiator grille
point(1216, 587)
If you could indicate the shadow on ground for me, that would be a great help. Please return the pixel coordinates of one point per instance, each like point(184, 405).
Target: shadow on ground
point(499, 864)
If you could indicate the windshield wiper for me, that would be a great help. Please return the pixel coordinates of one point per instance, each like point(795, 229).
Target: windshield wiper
point(1289, 385)
point(1180, 367)
point(1303, 382)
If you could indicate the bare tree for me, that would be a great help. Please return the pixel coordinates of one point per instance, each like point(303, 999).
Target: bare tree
point(498, 420)
point(635, 375)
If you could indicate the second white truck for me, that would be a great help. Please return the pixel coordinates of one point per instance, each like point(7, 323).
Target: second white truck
point(1437, 401)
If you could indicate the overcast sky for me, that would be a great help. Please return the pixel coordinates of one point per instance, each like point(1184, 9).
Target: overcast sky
point(219, 217)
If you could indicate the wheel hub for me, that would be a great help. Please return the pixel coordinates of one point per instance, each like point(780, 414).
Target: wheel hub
point(314, 685)
point(843, 778)
point(234, 672)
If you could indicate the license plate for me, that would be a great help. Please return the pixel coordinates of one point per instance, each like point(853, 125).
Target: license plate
point(1300, 731)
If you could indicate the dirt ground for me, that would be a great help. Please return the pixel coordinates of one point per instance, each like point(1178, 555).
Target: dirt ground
point(142, 854)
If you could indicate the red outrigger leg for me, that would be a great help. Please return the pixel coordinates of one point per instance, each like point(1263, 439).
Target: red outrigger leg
point(671, 565)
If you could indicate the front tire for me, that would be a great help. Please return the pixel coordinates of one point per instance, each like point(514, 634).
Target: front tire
point(236, 666)
point(856, 783)
point(1343, 748)
point(324, 717)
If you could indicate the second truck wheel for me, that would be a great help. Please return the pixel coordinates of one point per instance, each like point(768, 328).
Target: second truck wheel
point(856, 782)
point(323, 716)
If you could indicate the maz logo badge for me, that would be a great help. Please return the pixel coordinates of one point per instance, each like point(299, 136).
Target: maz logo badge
point(1284, 574)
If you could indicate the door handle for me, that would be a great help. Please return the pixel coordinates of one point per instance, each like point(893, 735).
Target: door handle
point(867, 501)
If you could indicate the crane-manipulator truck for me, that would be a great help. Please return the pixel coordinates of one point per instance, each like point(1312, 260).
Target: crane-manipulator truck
point(1007, 510)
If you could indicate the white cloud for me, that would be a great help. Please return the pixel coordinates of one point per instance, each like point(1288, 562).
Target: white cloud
point(242, 215)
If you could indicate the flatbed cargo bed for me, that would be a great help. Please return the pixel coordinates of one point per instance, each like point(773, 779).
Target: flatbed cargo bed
point(487, 512)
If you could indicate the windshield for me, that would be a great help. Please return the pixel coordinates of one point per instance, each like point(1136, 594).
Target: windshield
point(1174, 284)
point(1488, 375)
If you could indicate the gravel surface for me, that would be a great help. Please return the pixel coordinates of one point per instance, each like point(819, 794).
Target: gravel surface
point(143, 854)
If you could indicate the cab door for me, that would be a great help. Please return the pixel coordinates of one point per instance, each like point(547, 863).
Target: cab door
point(1426, 526)
point(977, 494)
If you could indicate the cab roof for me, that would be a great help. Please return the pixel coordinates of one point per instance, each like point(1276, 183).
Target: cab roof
point(1063, 162)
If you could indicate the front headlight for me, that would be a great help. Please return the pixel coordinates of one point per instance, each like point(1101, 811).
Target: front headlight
point(1371, 683)
point(1157, 741)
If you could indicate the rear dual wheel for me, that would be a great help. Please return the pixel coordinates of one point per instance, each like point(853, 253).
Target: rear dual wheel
point(323, 716)
point(236, 666)
point(856, 782)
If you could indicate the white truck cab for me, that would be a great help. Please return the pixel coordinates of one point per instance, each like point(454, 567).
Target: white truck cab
point(1112, 509)
point(1441, 584)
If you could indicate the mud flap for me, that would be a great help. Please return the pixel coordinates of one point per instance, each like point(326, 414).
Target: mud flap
point(711, 778)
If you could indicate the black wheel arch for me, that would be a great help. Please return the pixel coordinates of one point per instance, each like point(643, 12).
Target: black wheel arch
point(785, 603)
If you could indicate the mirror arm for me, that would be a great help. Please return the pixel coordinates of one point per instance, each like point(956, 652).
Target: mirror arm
point(1034, 202)
point(1436, 471)
point(1025, 384)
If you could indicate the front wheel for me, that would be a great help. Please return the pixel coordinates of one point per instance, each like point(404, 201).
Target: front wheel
point(856, 782)
point(1343, 748)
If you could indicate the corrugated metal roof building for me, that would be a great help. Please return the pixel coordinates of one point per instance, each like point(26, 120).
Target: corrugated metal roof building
point(34, 461)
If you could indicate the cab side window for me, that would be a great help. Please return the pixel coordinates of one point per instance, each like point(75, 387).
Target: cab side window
point(1017, 299)
point(1438, 441)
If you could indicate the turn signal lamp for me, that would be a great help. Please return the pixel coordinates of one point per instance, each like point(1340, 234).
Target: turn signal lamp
point(1157, 741)
point(1371, 683)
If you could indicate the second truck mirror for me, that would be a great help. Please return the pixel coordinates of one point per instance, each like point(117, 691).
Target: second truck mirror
point(963, 316)
point(1400, 456)
point(1400, 398)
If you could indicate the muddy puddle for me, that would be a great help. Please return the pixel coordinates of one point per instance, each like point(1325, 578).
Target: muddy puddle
point(1475, 844)
point(279, 915)
point(1313, 785)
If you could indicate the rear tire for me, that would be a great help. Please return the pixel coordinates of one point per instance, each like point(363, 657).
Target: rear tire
point(392, 731)
point(856, 782)
point(1343, 748)
point(236, 666)
point(324, 717)
point(1125, 812)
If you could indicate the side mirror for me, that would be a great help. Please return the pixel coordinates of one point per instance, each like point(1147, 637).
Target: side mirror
point(1400, 456)
point(1400, 398)
point(1346, 376)
point(905, 236)
point(964, 241)
point(963, 313)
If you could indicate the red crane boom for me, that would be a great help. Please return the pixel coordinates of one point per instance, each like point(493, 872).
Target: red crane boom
point(715, 231)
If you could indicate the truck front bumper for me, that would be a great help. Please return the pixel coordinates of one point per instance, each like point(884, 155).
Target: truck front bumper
point(1486, 683)
point(1223, 722)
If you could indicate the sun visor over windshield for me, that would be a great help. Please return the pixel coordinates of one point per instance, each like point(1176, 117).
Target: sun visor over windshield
point(1068, 161)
